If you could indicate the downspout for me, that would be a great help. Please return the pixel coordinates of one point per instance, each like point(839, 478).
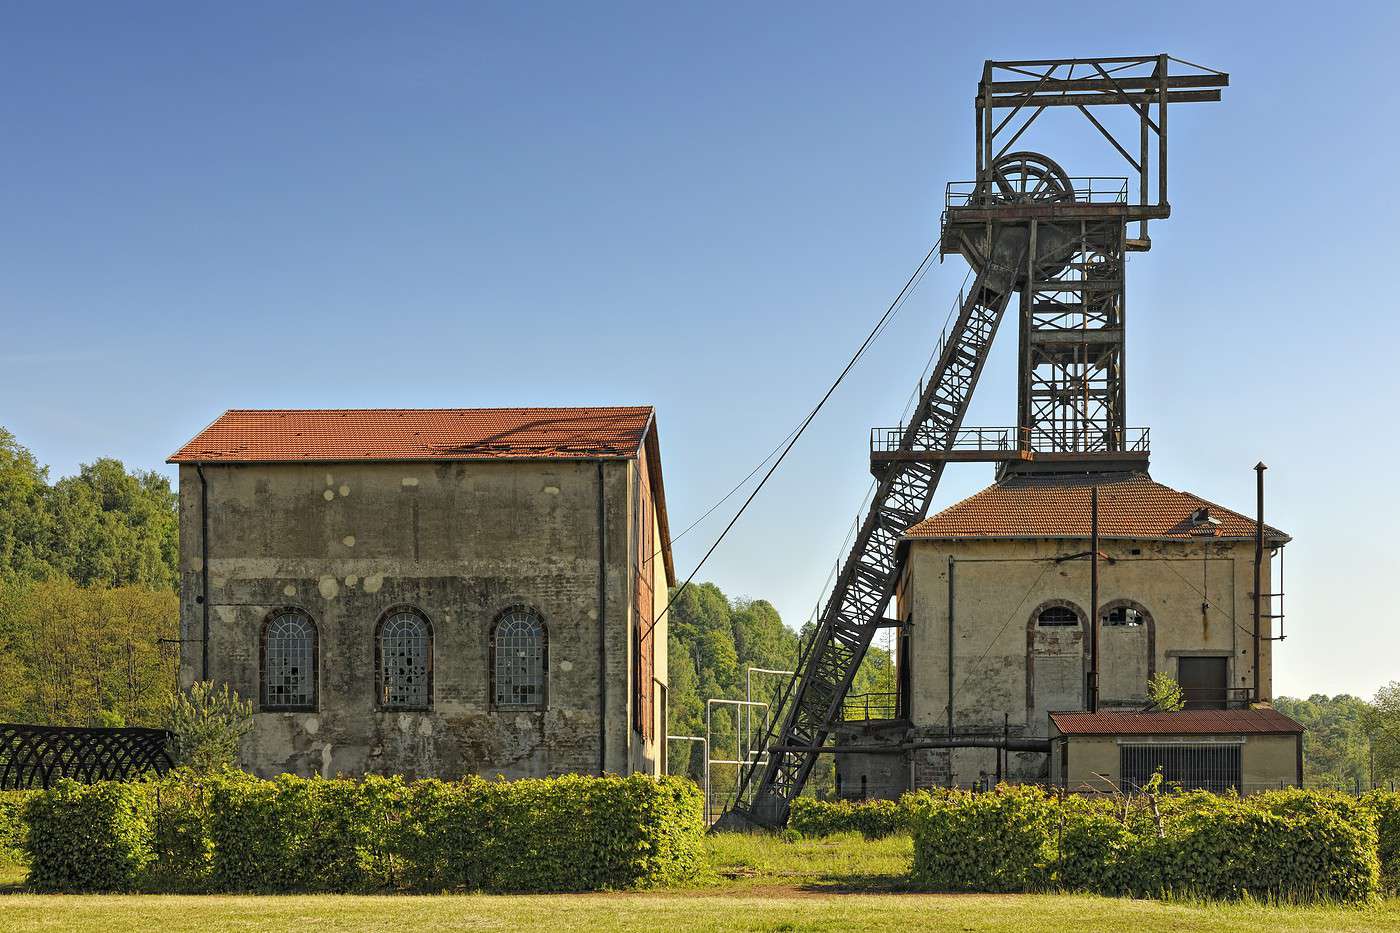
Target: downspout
point(203, 570)
point(602, 625)
point(950, 645)
point(1094, 599)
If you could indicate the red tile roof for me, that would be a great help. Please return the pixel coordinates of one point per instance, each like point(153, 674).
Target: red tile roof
point(1185, 722)
point(1131, 506)
point(338, 435)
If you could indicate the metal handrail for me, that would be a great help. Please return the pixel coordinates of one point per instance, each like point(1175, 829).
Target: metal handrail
point(1026, 440)
point(886, 704)
point(1088, 189)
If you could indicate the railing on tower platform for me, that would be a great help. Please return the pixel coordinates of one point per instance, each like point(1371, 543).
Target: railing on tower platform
point(1007, 443)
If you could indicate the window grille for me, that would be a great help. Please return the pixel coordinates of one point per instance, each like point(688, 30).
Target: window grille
point(405, 661)
point(518, 652)
point(289, 661)
point(1202, 766)
point(1057, 615)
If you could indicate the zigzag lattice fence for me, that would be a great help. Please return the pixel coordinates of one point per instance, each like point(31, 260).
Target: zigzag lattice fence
point(37, 756)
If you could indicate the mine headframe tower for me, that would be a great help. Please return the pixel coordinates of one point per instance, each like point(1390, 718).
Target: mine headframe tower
point(1059, 244)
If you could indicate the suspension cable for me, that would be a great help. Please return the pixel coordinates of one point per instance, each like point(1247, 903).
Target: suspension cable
point(870, 338)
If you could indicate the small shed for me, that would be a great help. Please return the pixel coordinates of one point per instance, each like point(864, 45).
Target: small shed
point(1248, 750)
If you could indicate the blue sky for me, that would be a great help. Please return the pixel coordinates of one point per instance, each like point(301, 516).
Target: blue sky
point(702, 207)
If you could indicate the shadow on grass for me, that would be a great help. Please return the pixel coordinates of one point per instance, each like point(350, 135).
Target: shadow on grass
point(892, 883)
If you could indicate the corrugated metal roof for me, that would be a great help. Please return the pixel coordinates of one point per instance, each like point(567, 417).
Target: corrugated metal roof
point(1183, 722)
point(1131, 505)
point(339, 435)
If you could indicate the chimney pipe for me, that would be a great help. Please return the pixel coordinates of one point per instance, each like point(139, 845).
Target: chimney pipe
point(1259, 469)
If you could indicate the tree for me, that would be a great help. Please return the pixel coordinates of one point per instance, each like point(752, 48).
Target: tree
point(23, 513)
point(1165, 693)
point(115, 527)
point(107, 525)
point(209, 725)
point(77, 656)
point(1382, 722)
point(713, 640)
point(1336, 751)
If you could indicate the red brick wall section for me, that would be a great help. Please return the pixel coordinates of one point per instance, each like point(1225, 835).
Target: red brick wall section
point(644, 639)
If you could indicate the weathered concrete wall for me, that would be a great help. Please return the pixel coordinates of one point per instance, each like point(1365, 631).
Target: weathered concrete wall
point(1195, 595)
point(860, 776)
point(461, 542)
point(1268, 761)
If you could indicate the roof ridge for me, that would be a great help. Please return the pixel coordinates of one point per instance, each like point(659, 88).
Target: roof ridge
point(1133, 505)
point(300, 411)
point(327, 435)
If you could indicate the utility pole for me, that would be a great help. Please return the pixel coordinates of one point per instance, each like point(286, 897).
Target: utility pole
point(1094, 599)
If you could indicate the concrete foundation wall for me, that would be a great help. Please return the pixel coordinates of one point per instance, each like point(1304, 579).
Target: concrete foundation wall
point(461, 542)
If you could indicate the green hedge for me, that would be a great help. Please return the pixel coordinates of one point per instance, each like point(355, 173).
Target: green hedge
point(998, 842)
point(235, 833)
point(88, 837)
point(12, 803)
point(562, 834)
point(1386, 806)
point(1289, 845)
point(873, 819)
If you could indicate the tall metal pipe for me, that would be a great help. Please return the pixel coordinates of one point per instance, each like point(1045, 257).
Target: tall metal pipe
point(204, 572)
point(1259, 469)
point(951, 632)
point(1094, 600)
point(603, 623)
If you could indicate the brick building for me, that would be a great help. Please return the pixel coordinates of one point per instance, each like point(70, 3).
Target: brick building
point(995, 595)
point(431, 592)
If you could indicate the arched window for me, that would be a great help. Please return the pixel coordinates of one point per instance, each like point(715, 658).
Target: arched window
point(288, 661)
point(404, 660)
point(1057, 615)
point(518, 660)
point(1123, 615)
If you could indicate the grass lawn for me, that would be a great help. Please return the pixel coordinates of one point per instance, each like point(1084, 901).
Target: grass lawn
point(755, 883)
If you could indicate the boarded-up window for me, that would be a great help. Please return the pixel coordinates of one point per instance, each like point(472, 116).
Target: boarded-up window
point(643, 638)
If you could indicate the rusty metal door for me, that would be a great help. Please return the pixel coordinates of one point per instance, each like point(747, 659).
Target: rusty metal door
point(1204, 681)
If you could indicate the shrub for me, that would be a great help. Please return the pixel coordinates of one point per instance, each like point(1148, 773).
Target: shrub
point(12, 803)
point(873, 819)
point(569, 833)
point(88, 837)
point(1321, 845)
point(1290, 845)
point(297, 834)
point(231, 832)
point(1002, 841)
point(1095, 847)
point(180, 835)
point(1386, 807)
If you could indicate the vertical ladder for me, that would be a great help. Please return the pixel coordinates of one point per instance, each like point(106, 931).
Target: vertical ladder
point(866, 583)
